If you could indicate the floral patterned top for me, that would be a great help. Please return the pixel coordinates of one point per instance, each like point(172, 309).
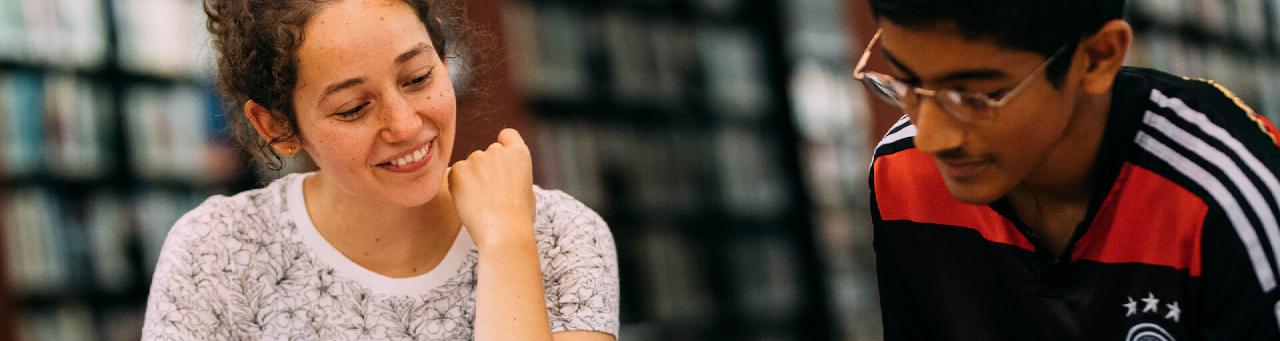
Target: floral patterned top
point(253, 266)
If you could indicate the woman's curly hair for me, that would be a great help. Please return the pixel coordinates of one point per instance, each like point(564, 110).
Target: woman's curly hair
point(257, 44)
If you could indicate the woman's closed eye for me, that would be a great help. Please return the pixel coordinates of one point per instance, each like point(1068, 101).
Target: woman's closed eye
point(352, 113)
point(419, 81)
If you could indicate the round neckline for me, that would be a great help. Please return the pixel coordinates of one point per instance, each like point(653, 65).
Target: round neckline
point(345, 267)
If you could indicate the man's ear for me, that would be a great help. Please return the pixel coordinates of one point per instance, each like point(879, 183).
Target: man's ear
point(272, 128)
point(1104, 53)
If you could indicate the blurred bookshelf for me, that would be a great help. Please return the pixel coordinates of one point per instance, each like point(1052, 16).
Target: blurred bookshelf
point(723, 141)
point(1233, 42)
point(110, 132)
point(673, 119)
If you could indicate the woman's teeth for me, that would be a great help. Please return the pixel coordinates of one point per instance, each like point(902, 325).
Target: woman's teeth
point(413, 157)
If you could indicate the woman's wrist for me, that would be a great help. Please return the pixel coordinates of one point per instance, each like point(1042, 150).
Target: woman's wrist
point(510, 237)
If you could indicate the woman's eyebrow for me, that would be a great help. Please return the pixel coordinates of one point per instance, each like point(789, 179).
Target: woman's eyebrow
point(343, 85)
point(413, 52)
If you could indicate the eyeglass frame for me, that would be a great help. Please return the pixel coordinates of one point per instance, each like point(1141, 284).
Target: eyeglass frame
point(991, 104)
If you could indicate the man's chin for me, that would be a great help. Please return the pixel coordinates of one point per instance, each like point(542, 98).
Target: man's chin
point(973, 192)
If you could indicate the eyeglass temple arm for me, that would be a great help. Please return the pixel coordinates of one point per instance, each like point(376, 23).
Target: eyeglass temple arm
point(1027, 81)
point(862, 62)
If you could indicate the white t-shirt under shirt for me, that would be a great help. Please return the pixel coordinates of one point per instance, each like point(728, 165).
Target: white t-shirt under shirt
point(253, 266)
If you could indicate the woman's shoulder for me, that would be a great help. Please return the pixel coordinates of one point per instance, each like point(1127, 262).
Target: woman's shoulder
point(251, 215)
point(557, 210)
point(561, 221)
point(579, 264)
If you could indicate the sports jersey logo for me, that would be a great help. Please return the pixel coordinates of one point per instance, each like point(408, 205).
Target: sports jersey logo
point(1148, 332)
point(1150, 309)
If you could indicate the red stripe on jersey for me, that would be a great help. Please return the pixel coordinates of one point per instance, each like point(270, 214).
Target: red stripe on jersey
point(908, 186)
point(1147, 219)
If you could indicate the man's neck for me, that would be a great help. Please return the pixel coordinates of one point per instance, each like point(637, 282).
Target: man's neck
point(1054, 198)
point(388, 239)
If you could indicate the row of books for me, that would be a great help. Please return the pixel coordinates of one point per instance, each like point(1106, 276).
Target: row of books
point(648, 59)
point(1252, 75)
point(663, 170)
point(676, 282)
point(833, 119)
point(719, 8)
point(653, 166)
point(832, 115)
point(158, 37)
point(179, 133)
point(63, 33)
point(164, 37)
point(668, 186)
point(1243, 18)
point(58, 245)
point(64, 125)
point(57, 122)
point(80, 321)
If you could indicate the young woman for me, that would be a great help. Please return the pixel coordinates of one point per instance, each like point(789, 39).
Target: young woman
point(385, 240)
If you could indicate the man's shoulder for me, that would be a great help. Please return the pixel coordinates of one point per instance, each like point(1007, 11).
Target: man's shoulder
point(900, 136)
point(896, 160)
point(1201, 106)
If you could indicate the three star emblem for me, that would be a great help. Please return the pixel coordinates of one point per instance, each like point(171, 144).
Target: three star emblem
point(1151, 304)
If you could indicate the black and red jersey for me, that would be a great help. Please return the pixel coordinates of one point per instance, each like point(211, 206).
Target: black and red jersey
point(1181, 239)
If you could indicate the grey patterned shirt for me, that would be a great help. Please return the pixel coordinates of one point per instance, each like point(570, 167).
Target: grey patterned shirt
point(253, 266)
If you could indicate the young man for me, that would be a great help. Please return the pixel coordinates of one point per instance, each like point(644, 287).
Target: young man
point(1038, 190)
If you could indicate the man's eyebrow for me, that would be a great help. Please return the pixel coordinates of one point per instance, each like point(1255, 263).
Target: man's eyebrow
point(898, 64)
point(972, 75)
point(343, 85)
point(954, 76)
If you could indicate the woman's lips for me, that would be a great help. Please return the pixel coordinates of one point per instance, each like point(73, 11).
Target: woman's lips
point(428, 152)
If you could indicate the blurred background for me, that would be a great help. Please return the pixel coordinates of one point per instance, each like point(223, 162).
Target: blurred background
point(724, 141)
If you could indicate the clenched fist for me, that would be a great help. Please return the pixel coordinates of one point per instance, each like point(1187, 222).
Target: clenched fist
point(493, 191)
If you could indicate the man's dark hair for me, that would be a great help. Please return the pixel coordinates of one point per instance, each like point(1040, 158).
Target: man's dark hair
point(1041, 26)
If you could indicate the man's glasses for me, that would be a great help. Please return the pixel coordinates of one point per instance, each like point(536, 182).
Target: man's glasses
point(964, 106)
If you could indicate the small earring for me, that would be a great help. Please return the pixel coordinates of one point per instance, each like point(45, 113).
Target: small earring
point(288, 151)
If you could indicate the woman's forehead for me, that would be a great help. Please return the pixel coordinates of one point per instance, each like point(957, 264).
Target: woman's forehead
point(354, 38)
point(362, 31)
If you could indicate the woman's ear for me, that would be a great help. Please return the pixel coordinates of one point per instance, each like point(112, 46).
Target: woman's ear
point(272, 129)
point(1104, 54)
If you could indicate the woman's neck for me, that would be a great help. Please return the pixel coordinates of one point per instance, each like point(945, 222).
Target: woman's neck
point(391, 240)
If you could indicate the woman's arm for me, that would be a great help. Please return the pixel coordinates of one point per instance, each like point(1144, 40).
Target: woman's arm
point(510, 297)
point(510, 301)
point(493, 194)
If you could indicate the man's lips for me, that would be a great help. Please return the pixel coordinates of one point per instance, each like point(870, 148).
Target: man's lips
point(963, 168)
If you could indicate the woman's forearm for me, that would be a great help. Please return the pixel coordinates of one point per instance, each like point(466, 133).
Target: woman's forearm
point(510, 301)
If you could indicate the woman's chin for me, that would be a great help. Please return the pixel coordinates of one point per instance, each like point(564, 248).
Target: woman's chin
point(419, 193)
